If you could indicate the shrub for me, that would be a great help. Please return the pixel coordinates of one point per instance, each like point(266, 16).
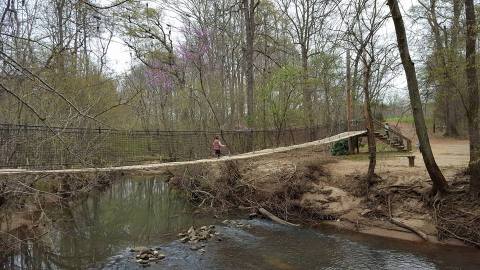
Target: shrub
point(340, 148)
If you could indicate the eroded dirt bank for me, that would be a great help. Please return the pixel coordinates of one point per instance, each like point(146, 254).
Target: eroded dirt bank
point(313, 188)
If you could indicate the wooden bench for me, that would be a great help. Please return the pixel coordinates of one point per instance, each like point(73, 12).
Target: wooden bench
point(411, 160)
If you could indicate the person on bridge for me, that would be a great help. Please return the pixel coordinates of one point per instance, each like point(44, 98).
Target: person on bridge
point(217, 146)
point(387, 130)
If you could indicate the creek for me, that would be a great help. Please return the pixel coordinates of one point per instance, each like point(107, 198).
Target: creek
point(98, 232)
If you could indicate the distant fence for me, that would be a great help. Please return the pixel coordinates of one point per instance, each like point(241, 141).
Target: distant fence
point(43, 147)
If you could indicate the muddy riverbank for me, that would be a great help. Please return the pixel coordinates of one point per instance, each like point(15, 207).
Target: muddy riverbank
point(311, 187)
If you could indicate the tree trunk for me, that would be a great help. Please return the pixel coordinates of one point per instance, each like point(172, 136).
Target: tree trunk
point(233, 84)
point(59, 50)
point(447, 86)
point(249, 14)
point(450, 57)
point(440, 184)
point(451, 119)
point(372, 147)
point(473, 96)
point(349, 102)
point(85, 43)
point(328, 109)
point(307, 97)
point(241, 93)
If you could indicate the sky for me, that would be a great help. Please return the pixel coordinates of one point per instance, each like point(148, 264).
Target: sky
point(120, 57)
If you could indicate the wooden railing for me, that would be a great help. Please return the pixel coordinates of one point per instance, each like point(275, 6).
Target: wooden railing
point(394, 134)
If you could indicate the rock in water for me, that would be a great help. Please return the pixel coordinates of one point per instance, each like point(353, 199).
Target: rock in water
point(147, 255)
point(142, 261)
point(139, 249)
point(195, 247)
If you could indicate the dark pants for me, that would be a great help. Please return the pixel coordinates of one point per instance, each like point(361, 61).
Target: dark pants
point(218, 153)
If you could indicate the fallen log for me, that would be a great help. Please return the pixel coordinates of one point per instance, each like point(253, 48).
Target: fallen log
point(410, 228)
point(271, 216)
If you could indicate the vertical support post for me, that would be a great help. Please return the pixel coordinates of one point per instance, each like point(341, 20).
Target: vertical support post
point(411, 161)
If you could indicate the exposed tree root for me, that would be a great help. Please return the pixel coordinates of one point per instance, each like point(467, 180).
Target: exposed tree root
point(458, 216)
point(410, 228)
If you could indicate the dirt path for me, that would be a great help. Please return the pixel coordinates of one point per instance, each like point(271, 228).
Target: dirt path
point(452, 155)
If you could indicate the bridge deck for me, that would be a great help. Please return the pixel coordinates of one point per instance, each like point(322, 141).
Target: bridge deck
point(335, 138)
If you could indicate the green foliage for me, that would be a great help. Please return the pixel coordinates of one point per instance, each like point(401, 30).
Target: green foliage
point(279, 95)
point(406, 119)
point(340, 148)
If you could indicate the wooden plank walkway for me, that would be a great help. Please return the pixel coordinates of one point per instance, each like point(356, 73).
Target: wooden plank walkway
point(335, 138)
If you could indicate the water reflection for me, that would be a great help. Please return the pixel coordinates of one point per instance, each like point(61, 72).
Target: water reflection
point(130, 213)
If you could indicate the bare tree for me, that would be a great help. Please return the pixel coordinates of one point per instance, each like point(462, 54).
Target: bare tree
point(440, 184)
point(372, 148)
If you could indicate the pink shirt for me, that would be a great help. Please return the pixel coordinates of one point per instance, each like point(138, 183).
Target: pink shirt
point(217, 144)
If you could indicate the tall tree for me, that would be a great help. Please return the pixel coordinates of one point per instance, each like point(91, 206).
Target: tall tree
point(307, 18)
point(249, 7)
point(440, 184)
point(372, 148)
point(349, 100)
point(444, 63)
point(473, 96)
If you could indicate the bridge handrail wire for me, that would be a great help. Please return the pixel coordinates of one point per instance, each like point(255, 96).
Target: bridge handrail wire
point(33, 146)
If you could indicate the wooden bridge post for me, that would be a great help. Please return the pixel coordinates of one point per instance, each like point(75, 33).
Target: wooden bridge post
point(411, 161)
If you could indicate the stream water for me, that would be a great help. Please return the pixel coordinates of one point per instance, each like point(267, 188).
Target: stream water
point(98, 232)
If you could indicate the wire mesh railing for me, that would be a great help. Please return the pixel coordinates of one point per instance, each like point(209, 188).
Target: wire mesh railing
point(54, 147)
